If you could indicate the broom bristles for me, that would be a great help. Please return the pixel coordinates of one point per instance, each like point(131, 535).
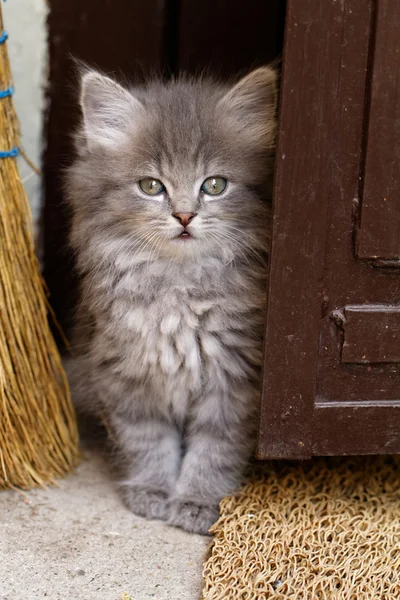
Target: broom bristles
point(38, 433)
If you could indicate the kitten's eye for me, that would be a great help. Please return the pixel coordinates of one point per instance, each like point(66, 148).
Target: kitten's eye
point(152, 187)
point(213, 186)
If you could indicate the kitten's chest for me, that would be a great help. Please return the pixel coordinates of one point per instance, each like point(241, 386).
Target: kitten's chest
point(163, 338)
point(184, 337)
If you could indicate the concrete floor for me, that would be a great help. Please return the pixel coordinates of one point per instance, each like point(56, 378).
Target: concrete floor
point(78, 542)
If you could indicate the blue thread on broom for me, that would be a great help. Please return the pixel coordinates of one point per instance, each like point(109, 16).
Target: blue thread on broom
point(4, 94)
point(8, 92)
point(9, 153)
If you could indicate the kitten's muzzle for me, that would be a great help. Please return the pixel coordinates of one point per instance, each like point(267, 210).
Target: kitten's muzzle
point(184, 219)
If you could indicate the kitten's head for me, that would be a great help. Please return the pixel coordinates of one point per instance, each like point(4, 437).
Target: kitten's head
point(178, 169)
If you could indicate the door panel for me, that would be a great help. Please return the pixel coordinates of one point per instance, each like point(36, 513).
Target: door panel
point(370, 334)
point(356, 429)
point(327, 309)
point(379, 233)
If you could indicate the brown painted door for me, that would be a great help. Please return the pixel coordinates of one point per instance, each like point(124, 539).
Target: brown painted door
point(332, 358)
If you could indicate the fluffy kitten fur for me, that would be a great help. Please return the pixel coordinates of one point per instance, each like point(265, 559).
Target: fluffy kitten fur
point(169, 332)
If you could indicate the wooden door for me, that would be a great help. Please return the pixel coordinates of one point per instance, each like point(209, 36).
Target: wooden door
point(332, 358)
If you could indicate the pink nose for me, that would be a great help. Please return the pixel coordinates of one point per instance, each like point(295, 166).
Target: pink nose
point(184, 218)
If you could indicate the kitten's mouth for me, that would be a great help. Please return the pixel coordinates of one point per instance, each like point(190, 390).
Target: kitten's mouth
point(185, 235)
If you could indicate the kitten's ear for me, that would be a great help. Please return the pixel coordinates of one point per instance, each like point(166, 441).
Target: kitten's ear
point(251, 105)
point(110, 112)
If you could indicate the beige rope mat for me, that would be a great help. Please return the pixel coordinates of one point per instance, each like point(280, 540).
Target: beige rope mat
point(321, 529)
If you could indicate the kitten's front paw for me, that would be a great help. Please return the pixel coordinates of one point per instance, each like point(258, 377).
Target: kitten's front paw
point(145, 502)
point(195, 518)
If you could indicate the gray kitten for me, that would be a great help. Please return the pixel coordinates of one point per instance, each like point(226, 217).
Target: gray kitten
point(171, 224)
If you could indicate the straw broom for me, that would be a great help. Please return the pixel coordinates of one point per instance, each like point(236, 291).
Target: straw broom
point(38, 434)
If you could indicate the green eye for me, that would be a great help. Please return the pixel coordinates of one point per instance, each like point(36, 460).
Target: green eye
point(214, 186)
point(152, 187)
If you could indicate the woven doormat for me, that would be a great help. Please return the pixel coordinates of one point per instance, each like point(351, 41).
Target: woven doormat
point(321, 529)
